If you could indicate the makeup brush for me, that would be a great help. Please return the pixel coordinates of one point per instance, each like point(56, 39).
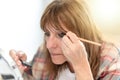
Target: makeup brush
point(25, 63)
point(83, 40)
point(88, 41)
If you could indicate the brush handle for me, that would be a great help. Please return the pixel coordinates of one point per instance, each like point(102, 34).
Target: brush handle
point(26, 63)
point(91, 42)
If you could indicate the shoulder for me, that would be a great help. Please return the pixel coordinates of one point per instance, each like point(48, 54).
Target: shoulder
point(110, 61)
point(110, 55)
point(109, 49)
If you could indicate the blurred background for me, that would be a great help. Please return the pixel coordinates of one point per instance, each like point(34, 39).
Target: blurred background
point(20, 22)
point(106, 14)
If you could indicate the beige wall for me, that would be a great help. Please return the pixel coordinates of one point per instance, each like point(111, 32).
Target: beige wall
point(107, 17)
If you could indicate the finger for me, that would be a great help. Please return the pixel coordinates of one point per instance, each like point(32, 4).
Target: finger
point(72, 37)
point(65, 49)
point(12, 53)
point(67, 41)
point(21, 55)
point(66, 52)
point(23, 67)
point(20, 66)
point(19, 63)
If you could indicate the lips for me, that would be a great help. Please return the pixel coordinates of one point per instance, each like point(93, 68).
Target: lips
point(56, 54)
point(52, 53)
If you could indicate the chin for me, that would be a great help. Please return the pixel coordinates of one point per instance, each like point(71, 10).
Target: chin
point(58, 62)
point(58, 59)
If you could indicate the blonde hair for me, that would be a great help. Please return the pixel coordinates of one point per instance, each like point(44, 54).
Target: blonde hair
point(75, 17)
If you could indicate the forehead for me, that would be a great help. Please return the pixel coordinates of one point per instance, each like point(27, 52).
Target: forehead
point(55, 27)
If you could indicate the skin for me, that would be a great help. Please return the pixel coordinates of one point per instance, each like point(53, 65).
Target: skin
point(75, 53)
point(16, 56)
point(53, 44)
point(67, 48)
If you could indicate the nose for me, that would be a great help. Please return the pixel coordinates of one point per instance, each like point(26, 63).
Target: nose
point(51, 42)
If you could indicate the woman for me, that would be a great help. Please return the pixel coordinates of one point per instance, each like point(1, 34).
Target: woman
point(64, 55)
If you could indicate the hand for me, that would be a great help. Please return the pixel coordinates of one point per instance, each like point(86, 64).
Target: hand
point(76, 54)
point(16, 56)
point(73, 49)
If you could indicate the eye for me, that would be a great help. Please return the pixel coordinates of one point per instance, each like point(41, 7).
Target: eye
point(61, 34)
point(47, 34)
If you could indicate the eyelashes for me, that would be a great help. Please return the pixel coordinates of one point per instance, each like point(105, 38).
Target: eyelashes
point(61, 34)
point(47, 34)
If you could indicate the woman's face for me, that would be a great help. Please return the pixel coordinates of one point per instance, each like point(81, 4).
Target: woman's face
point(53, 43)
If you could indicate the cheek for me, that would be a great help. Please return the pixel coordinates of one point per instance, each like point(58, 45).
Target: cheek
point(46, 41)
